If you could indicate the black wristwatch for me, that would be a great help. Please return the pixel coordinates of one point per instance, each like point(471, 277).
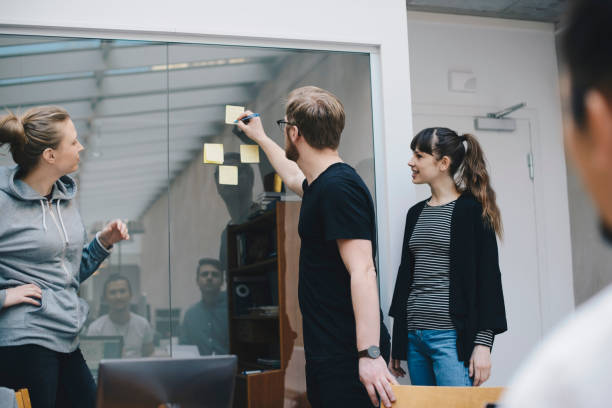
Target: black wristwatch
point(372, 352)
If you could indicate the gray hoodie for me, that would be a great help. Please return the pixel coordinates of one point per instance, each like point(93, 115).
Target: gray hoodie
point(41, 242)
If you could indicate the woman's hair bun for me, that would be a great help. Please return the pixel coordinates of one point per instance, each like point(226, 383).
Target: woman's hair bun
point(12, 131)
point(30, 134)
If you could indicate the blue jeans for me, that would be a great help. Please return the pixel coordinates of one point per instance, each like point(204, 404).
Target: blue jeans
point(433, 360)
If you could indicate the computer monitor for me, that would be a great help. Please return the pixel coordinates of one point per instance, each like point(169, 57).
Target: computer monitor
point(203, 382)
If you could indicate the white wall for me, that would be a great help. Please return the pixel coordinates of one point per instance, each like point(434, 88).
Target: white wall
point(513, 62)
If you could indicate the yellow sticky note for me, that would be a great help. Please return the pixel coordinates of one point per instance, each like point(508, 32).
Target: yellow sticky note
point(232, 113)
point(249, 153)
point(213, 153)
point(228, 175)
point(278, 183)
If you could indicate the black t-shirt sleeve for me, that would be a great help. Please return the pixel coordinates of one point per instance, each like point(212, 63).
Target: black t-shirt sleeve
point(345, 212)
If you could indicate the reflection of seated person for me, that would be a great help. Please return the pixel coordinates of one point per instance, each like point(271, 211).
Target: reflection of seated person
point(136, 331)
point(205, 323)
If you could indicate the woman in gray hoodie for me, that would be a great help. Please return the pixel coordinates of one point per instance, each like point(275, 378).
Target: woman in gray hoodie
point(43, 260)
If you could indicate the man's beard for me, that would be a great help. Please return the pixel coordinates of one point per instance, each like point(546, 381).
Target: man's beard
point(291, 151)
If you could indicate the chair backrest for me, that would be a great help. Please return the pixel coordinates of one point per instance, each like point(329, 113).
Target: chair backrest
point(410, 396)
point(23, 398)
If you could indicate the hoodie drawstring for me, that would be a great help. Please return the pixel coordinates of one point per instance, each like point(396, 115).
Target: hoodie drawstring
point(42, 204)
point(61, 220)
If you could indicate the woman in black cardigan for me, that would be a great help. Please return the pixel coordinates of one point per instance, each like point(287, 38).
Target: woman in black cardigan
point(448, 302)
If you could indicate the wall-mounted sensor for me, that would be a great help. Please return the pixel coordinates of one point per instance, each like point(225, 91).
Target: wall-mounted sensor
point(461, 81)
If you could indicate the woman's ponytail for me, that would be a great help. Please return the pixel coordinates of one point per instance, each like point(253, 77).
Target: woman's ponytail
point(475, 179)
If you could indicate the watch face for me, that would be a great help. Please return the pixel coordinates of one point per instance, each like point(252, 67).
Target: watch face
point(373, 352)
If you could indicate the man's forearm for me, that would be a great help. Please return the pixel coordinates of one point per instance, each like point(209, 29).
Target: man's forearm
point(364, 292)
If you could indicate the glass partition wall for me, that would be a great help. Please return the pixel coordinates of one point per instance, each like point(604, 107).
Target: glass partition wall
point(145, 111)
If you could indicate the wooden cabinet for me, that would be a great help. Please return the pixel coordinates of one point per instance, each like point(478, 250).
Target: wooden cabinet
point(265, 325)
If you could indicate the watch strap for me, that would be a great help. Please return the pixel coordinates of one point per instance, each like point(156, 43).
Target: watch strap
point(372, 352)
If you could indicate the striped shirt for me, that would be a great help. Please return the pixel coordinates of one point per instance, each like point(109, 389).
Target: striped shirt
point(428, 302)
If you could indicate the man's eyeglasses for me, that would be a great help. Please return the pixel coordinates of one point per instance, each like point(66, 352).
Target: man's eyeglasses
point(282, 123)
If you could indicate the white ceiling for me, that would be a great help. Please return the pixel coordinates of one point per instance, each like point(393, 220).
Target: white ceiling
point(117, 95)
point(533, 10)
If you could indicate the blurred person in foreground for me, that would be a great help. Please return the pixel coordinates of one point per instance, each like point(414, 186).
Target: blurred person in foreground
point(572, 367)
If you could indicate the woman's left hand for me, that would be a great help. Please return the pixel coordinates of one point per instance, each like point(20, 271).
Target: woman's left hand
point(113, 232)
point(480, 364)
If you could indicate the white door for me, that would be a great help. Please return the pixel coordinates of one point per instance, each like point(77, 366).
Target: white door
point(506, 154)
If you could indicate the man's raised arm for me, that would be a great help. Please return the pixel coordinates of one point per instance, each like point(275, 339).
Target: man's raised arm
point(288, 170)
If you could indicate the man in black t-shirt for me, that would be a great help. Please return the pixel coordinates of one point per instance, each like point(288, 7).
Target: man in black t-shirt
point(344, 337)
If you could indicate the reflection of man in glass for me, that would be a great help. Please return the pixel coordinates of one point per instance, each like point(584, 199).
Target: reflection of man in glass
point(120, 321)
point(206, 323)
point(238, 199)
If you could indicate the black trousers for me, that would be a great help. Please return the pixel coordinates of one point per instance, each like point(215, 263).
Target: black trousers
point(53, 380)
point(334, 382)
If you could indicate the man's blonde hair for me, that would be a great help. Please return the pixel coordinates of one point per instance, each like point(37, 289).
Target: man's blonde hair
point(318, 115)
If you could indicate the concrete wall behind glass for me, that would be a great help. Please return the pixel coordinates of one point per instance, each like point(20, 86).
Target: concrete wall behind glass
point(198, 214)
